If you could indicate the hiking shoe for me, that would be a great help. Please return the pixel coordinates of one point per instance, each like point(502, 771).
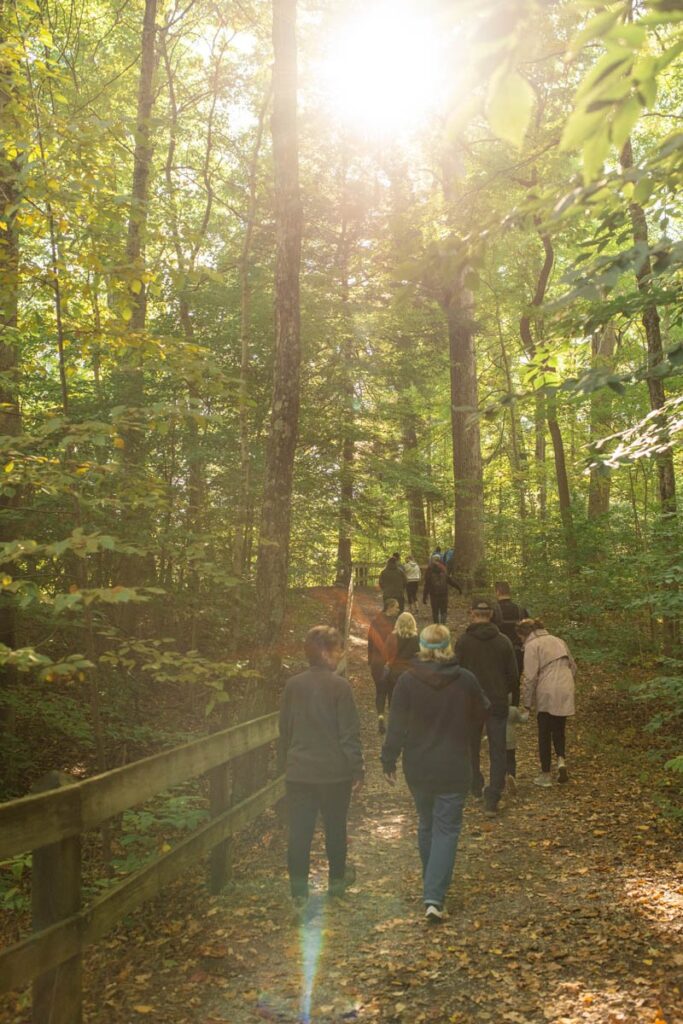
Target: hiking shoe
point(511, 785)
point(381, 727)
point(543, 780)
point(490, 812)
point(562, 775)
point(434, 914)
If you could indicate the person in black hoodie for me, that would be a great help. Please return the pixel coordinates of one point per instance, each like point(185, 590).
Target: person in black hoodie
point(486, 652)
point(320, 754)
point(437, 582)
point(506, 614)
point(435, 708)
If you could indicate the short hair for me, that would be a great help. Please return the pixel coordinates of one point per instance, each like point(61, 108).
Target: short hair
point(502, 587)
point(397, 556)
point(405, 625)
point(321, 640)
point(434, 635)
point(390, 602)
point(528, 626)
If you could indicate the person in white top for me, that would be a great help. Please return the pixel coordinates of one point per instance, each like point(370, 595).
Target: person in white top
point(412, 571)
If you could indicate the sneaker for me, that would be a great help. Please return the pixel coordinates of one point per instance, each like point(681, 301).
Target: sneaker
point(434, 914)
point(511, 785)
point(381, 727)
point(562, 775)
point(543, 780)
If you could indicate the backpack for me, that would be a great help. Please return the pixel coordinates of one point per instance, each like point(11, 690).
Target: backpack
point(438, 583)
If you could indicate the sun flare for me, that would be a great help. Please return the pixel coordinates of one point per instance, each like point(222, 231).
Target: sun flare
point(384, 71)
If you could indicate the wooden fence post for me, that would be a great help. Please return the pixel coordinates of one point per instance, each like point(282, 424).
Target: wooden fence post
point(56, 894)
point(220, 799)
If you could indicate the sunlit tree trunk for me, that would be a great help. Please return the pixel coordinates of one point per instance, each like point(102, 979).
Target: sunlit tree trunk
point(419, 540)
point(603, 344)
point(10, 414)
point(273, 550)
point(347, 452)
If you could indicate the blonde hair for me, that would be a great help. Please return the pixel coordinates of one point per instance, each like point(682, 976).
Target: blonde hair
point(405, 625)
point(435, 635)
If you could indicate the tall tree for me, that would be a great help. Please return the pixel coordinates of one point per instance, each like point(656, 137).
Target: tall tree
point(273, 550)
point(603, 344)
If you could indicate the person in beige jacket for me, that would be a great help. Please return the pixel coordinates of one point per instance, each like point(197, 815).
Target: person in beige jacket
point(549, 672)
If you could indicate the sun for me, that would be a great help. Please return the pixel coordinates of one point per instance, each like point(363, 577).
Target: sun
point(383, 74)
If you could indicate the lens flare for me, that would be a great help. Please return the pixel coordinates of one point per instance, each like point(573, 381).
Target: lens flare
point(311, 936)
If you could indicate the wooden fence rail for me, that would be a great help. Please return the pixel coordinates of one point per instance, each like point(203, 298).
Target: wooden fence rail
point(50, 824)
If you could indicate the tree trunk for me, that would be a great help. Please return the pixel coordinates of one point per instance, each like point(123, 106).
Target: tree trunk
point(467, 465)
point(417, 524)
point(273, 550)
point(10, 414)
point(653, 335)
point(603, 345)
point(348, 441)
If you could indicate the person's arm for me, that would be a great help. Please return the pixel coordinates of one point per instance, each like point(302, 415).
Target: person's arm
point(391, 649)
point(532, 668)
point(348, 725)
point(397, 729)
point(572, 663)
point(511, 670)
point(497, 617)
point(284, 737)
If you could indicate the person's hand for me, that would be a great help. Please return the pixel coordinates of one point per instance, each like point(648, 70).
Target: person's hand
point(390, 777)
point(356, 786)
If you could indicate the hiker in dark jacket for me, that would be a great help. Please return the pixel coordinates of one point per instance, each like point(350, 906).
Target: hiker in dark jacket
point(320, 754)
point(484, 650)
point(378, 634)
point(392, 581)
point(402, 646)
point(436, 706)
point(437, 582)
point(506, 614)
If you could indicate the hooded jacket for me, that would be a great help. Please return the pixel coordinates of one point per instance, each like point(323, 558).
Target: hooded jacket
point(392, 580)
point(433, 711)
point(319, 728)
point(483, 650)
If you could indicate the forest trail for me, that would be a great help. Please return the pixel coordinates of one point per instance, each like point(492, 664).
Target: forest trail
point(566, 909)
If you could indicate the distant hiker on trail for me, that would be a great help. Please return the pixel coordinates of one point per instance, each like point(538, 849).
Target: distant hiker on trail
point(436, 707)
point(402, 646)
point(448, 556)
point(506, 614)
point(413, 574)
point(549, 672)
point(437, 582)
point(515, 717)
point(392, 581)
point(320, 754)
point(378, 634)
point(484, 651)
point(437, 553)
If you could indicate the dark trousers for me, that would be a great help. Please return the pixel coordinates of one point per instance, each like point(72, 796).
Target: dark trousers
point(384, 686)
point(439, 607)
point(550, 728)
point(304, 800)
point(411, 591)
point(495, 730)
point(511, 761)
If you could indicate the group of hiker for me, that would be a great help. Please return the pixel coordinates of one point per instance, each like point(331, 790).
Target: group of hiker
point(442, 697)
point(400, 582)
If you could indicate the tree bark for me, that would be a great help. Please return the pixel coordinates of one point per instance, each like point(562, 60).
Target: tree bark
point(347, 454)
point(653, 335)
point(417, 524)
point(273, 550)
point(468, 563)
point(603, 345)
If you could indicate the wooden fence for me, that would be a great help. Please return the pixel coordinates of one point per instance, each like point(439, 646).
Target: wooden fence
point(50, 824)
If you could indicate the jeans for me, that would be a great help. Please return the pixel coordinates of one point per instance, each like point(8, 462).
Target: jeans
point(304, 800)
point(550, 727)
point(438, 831)
point(495, 730)
point(384, 686)
point(439, 608)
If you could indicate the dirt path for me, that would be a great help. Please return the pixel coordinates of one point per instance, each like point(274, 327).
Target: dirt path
point(566, 909)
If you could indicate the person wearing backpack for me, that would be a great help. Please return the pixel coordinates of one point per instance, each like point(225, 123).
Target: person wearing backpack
point(437, 582)
point(506, 614)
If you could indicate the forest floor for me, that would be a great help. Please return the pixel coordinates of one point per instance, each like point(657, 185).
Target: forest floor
point(567, 908)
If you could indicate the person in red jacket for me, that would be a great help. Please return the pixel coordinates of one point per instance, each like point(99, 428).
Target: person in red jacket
point(380, 628)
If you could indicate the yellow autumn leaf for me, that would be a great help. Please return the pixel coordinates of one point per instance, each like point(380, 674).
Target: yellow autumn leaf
point(9, 467)
point(53, 185)
point(119, 442)
point(6, 580)
point(144, 1008)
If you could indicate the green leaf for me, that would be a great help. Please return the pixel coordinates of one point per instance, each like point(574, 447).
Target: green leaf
point(510, 103)
point(624, 120)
